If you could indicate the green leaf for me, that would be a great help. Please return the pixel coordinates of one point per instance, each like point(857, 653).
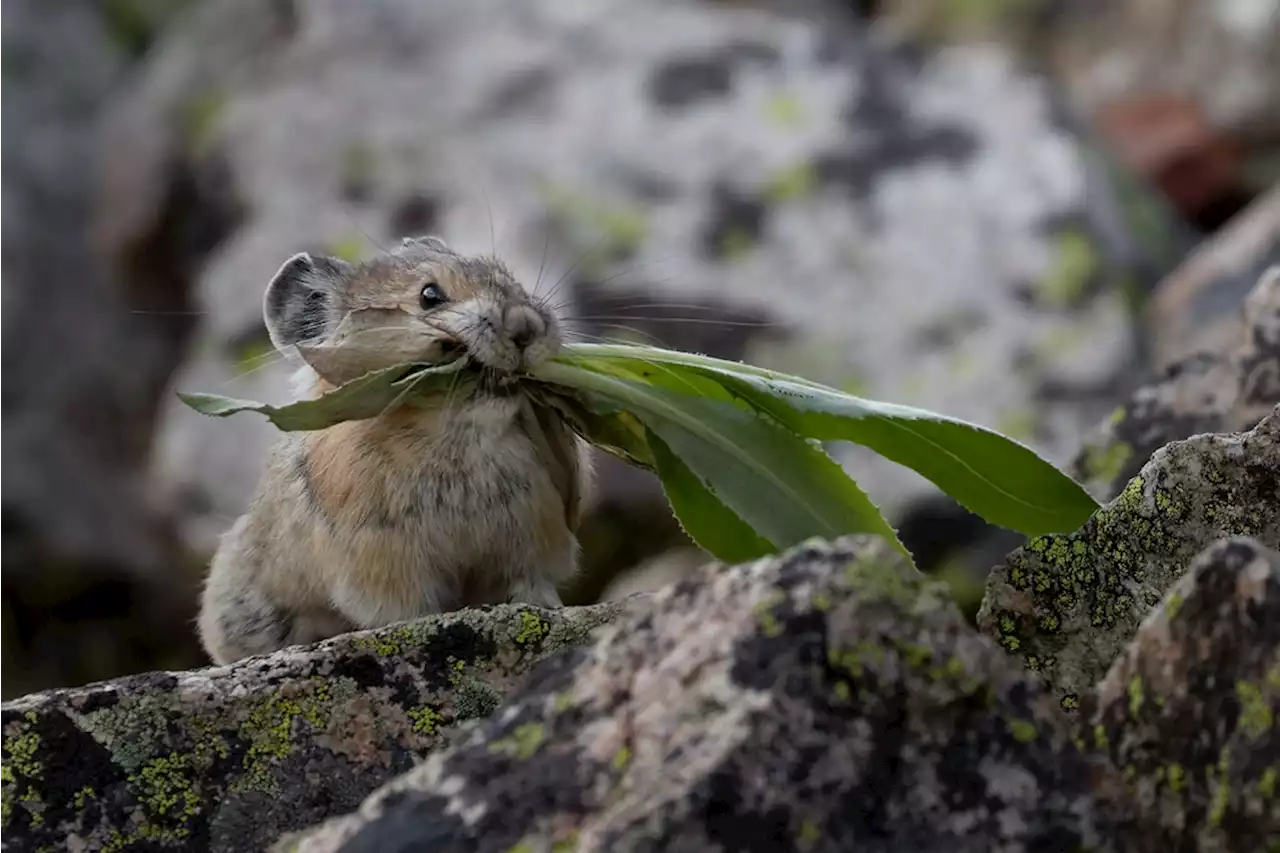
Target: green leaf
point(711, 525)
point(366, 397)
point(997, 478)
point(784, 487)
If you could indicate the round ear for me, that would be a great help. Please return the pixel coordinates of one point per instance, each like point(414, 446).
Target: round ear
point(298, 302)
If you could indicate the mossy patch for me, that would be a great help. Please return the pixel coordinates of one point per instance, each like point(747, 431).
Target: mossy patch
point(522, 743)
point(1074, 266)
point(199, 118)
point(533, 628)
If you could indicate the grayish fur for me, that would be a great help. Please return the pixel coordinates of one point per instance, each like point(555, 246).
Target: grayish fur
point(417, 511)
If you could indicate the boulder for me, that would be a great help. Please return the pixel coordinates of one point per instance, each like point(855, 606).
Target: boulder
point(1196, 308)
point(1188, 712)
point(1225, 390)
point(1067, 605)
point(96, 584)
point(226, 759)
point(754, 183)
point(830, 698)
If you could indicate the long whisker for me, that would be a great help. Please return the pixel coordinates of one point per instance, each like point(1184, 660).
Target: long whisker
point(658, 320)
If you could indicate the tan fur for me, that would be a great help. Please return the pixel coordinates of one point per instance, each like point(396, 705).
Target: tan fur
point(412, 512)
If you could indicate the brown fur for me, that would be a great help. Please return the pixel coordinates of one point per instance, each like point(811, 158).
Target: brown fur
point(415, 511)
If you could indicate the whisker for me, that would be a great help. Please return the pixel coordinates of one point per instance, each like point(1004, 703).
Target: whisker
point(697, 320)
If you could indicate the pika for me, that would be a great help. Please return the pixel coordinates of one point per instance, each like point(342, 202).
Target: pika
point(474, 499)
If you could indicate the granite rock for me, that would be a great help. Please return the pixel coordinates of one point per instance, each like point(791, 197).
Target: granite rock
point(746, 182)
point(1222, 391)
point(225, 759)
point(96, 584)
point(829, 698)
point(1188, 712)
point(1067, 605)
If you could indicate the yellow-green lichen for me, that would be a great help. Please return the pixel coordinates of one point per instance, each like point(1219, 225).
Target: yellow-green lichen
point(269, 729)
point(1220, 782)
point(386, 643)
point(1177, 776)
point(1256, 717)
point(1105, 463)
point(793, 183)
point(1023, 731)
point(523, 743)
point(1018, 424)
point(22, 764)
point(784, 110)
point(1100, 739)
point(735, 243)
point(1074, 265)
point(348, 247)
point(810, 833)
point(621, 758)
point(199, 118)
point(533, 628)
point(1136, 697)
point(1070, 702)
point(568, 844)
point(165, 788)
point(1267, 782)
point(426, 720)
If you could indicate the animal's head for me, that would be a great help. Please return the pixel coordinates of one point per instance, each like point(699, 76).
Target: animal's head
point(420, 302)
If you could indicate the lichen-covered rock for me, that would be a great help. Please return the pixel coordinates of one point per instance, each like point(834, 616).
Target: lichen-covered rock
point(752, 183)
point(1067, 605)
point(829, 698)
point(1189, 711)
point(1224, 391)
point(95, 585)
point(228, 758)
point(1196, 308)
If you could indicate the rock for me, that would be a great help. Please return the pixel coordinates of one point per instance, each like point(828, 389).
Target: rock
point(1189, 710)
point(830, 698)
point(95, 583)
point(655, 573)
point(228, 758)
point(1067, 605)
point(1220, 57)
point(1195, 309)
point(1229, 390)
point(747, 182)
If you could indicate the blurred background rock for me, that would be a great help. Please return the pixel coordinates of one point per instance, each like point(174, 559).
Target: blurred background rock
point(968, 206)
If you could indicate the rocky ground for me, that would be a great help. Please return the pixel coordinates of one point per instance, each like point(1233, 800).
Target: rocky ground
point(792, 176)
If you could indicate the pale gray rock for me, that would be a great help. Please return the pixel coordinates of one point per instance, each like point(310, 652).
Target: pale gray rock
point(785, 188)
point(826, 699)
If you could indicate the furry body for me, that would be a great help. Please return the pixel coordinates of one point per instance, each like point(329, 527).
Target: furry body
point(416, 511)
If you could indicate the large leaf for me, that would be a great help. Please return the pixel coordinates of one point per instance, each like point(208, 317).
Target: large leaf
point(991, 475)
point(366, 397)
point(784, 487)
point(712, 526)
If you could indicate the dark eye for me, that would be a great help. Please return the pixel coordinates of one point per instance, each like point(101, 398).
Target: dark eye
point(432, 296)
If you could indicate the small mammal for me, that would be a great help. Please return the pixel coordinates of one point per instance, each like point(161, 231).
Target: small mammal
point(416, 511)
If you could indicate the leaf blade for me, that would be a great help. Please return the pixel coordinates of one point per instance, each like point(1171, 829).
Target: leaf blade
point(995, 477)
point(785, 488)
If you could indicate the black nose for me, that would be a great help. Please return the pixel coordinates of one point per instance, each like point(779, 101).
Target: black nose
point(522, 326)
point(523, 334)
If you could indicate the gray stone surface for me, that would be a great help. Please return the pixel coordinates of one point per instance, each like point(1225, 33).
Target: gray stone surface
point(94, 583)
point(1068, 605)
point(787, 188)
point(826, 699)
point(226, 759)
point(1188, 712)
point(1228, 390)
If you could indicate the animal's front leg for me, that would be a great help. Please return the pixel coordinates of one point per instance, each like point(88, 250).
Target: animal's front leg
point(536, 591)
